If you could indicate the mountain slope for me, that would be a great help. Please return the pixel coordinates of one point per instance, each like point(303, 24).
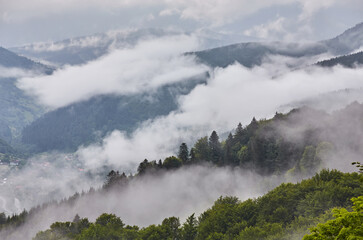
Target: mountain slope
point(85, 122)
point(81, 50)
point(253, 53)
point(17, 109)
point(9, 59)
point(346, 42)
point(350, 61)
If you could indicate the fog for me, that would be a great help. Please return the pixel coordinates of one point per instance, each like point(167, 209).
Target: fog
point(148, 65)
point(150, 199)
point(45, 177)
point(231, 95)
point(6, 72)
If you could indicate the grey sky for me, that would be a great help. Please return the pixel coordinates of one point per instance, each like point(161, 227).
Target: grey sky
point(26, 21)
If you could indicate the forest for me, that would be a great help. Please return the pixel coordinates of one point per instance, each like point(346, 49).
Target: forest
point(330, 204)
point(286, 212)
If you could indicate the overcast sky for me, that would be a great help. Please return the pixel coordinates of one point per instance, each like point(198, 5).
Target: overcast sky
point(27, 21)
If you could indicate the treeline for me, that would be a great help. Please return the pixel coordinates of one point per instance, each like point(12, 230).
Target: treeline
point(350, 61)
point(284, 213)
point(298, 142)
point(295, 143)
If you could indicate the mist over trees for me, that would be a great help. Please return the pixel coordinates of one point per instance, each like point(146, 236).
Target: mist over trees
point(286, 212)
point(298, 151)
point(284, 145)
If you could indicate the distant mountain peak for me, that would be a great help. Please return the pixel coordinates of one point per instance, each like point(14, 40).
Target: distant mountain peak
point(347, 42)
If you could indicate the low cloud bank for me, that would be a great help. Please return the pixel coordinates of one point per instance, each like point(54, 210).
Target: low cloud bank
point(145, 67)
point(234, 94)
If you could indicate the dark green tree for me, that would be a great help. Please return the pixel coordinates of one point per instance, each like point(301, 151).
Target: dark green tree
point(215, 148)
point(183, 153)
point(228, 155)
point(172, 162)
point(171, 227)
point(201, 149)
point(143, 166)
point(189, 229)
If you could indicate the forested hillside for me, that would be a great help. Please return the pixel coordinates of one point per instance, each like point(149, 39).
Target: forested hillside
point(254, 53)
point(284, 213)
point(17, 108)
point(89, 121)
point(11, 60)
point(301, 142)
point(350, 61)
point(293, 145)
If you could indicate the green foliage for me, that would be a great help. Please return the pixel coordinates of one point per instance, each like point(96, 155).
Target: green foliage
point(63, 230)
point(115, 179)
point(189, 229)
point(351, 60)
point(346, 225)
point(284, 213)
point(172, 162)
point(201, 149)
point(217, 220)
point(215, 148)
point(286, 210)
point(183, 153)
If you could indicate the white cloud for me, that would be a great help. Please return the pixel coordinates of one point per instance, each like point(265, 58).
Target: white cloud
point(6, 72)
point(269, 30)
point(216, 12)
point(232, 95)
point(151, 199)
point(310, 7)
point(145, 67)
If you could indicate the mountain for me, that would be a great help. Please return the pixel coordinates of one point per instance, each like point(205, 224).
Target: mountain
point(255, 53)
point(81, 50)
point(350, 61)
point(346, 42)
point(86, 122)
point(287, 147)
point(17, 109)
point(9, 59)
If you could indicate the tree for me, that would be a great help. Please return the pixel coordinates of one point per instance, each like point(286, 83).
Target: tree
point(240, 135)
point(346, 225)
point(171, 228)
point(201, 149)
point(172, 162)
point(252, 127)
point(183, 153)
point(109, 220)
point(229, 157)
point(189, 230)
point(143, 167)
point(215, 148)
point(114, 178)
point(308, 163)
point(2, 218)
point(76, 219)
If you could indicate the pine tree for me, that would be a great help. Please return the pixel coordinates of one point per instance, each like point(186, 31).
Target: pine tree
point(215, 148)
point(183, 153)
